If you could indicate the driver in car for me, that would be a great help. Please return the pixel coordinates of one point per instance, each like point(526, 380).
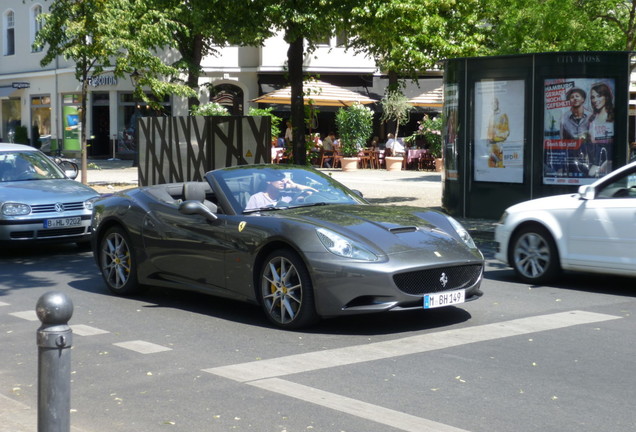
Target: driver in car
point(274, 193)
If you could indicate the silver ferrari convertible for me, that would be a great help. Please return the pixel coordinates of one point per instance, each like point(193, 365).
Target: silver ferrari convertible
point(289, 238)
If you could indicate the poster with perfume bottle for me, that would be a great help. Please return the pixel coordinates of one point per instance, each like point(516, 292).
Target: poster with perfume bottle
point(578, 132)
point(499, 130)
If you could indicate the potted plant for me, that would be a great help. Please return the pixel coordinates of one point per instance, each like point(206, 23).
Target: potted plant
point(396, 108)
point(355, 126)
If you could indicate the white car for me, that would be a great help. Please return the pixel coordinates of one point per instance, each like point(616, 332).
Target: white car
point(593, 230)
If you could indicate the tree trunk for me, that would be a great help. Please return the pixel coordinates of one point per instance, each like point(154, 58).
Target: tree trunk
point(295, 62)
point(194, 68)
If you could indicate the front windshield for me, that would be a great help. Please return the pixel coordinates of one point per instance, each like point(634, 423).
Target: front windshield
point(279, 187)
point(30, 165)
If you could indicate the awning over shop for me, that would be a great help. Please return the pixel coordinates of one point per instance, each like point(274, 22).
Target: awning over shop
point(429, 99)
point(317, 93)
point(7, 92)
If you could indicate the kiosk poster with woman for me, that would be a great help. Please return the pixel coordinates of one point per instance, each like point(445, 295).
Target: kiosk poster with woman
point(578, 130)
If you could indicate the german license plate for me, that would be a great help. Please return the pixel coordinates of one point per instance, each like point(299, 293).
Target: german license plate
point(63, 222)
point(444, 299)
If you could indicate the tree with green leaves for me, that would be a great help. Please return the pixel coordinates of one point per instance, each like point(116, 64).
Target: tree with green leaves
point(303, 23)
point(408, 37)
point(118, 36)
point(530, 26)
point(206, 26)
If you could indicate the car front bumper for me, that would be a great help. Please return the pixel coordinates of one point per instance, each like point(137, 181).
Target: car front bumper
point(33, 230)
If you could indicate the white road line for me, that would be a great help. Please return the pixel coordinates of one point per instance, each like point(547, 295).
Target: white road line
point(299, 363)
point(85, 330)
point(4, 304)
point(29, 315)
point(262, 374)
point(375, 413)
point(142, 347)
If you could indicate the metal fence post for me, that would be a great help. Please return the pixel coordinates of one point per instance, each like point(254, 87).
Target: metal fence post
point(54, 339)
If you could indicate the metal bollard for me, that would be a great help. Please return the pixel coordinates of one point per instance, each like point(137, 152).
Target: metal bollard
point(54, 339)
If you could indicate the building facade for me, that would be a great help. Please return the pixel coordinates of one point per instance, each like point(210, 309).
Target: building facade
point(43, 102)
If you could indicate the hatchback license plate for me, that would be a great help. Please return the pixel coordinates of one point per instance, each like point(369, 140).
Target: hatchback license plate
point(444, 299)
point(63, 222)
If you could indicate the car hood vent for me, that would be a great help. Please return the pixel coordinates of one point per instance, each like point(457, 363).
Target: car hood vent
point(403, 229)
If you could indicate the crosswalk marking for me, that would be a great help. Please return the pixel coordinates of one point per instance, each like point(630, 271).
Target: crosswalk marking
point(142, 347)
point(29, 315)
point(376, 413)
point(86, 330)
point(281, 366)
point(265, 374)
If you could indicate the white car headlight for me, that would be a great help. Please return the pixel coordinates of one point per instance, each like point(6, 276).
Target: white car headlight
point(463, 234)
point(344, 247)
point(15, 209)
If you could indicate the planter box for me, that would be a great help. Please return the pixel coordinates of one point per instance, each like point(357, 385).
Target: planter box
point(393, 163)
point(349, 163)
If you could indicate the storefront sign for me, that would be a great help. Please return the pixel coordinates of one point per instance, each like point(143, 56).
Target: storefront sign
point(20, 85)
point(102, 80)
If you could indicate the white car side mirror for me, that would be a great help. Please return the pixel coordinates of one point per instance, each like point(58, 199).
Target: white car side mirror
point(587, 192)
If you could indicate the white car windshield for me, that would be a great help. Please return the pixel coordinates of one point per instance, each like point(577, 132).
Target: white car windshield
point(23, 166)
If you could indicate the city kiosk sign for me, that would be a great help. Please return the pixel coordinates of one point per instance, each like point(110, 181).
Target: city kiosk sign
point(527, 126)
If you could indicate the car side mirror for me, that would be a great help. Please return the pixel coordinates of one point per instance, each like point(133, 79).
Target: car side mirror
point(357, 192)
point(72, 174)
point(587, 192)
point(197, 208)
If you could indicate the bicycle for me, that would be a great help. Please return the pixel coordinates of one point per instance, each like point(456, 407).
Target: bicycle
point(69, 166)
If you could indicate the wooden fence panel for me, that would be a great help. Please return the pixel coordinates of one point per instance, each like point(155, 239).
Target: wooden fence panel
point(176, 149)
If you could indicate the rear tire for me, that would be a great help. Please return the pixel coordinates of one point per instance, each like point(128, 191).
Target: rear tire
point(534, 256)
point(117, 262)
point(285, 290)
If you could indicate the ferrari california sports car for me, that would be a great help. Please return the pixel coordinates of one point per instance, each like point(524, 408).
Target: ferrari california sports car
point(589, 231)
point(39, 202)
point(289, 238)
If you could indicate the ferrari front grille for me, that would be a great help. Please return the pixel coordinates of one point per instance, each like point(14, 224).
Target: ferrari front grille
point(438, 279)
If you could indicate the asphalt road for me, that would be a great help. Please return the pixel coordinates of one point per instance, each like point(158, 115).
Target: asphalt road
point(522, 358)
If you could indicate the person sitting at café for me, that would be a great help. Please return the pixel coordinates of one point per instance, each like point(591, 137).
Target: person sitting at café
point(396, 147)
point(275, 186)
point(328, 146)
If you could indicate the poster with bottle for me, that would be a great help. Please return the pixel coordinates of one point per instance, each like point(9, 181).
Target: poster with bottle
point(499, 131)
point(578, 132)
point(450, 128)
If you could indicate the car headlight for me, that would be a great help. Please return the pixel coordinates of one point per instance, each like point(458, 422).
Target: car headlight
point(15, 209)
point(88, 204)
point(463, 234)
point(344, 247)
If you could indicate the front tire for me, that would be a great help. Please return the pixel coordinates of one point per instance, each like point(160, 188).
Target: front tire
point(534, 255)
point(117, 262)
point(286, 291)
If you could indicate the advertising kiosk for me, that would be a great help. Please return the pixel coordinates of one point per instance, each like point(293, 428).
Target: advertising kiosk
point(527, 126)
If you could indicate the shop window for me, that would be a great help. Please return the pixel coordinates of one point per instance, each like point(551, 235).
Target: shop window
point(128, 111)
point(9, 33)
point(40, 120)
point(11, 118)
